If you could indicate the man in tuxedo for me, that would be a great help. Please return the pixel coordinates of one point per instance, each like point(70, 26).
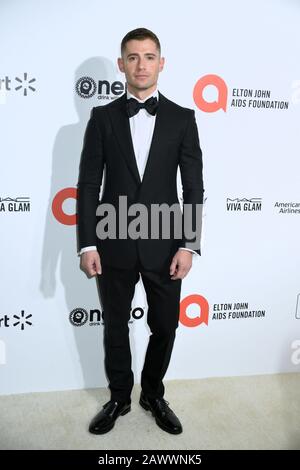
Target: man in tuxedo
point(137, 142)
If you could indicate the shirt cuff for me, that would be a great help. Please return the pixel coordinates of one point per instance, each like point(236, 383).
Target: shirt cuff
point(87, 248)
point(188, 249)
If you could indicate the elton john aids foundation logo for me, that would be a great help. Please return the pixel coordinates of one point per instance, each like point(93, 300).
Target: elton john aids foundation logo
point(57, 206)
point(194, 310)
point(220, 88)
point(211, 95)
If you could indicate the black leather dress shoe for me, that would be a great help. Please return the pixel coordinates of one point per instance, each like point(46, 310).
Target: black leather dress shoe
point(104, 421)
point(165, 418)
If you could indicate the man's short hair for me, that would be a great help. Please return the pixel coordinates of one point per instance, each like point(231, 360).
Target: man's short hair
point(140, 34)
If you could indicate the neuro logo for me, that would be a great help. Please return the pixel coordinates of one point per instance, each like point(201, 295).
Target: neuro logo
point(85, 87)
point(78, 317)
point(25, 84)
point(22, 320)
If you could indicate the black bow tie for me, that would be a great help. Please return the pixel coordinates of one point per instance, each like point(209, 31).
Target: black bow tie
point(133, 106)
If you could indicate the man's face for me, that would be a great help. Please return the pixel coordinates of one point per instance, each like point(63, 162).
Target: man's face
point(141, 64)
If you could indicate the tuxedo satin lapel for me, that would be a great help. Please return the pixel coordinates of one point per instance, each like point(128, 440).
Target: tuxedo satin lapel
point(121, 127)
point(161, 129)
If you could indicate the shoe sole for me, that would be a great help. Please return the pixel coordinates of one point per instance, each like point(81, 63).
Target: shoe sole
point(164, 428)
point(107, 429)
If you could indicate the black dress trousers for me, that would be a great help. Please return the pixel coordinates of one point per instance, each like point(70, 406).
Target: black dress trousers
point(117, 287)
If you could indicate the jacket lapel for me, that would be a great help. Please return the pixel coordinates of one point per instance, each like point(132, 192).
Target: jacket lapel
point(121, 126)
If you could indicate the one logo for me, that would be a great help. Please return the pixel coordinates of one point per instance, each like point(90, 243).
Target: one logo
point(22, 320)
point(85, 87)
point(202, 314)
point(25, 84)
point(78, 317)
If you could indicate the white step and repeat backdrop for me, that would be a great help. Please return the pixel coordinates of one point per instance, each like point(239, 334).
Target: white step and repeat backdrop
point(238, 67)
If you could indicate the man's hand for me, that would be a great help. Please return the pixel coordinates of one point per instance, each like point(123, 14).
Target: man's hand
point(181, 264)
point(90, 263)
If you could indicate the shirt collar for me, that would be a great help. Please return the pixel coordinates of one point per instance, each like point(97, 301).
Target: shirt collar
point(155, 94)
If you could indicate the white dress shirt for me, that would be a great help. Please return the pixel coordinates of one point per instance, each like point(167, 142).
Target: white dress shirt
point(141, 128)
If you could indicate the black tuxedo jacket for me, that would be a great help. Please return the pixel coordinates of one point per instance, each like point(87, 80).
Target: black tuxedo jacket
point(108, 149)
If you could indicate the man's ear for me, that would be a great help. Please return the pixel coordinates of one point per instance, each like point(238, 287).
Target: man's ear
point(120, 64)
point(161, 63)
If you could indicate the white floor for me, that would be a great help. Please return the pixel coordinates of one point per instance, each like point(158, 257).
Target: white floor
point(258, 412)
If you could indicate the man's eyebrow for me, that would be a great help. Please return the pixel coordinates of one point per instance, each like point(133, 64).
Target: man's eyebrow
point(136, 54)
